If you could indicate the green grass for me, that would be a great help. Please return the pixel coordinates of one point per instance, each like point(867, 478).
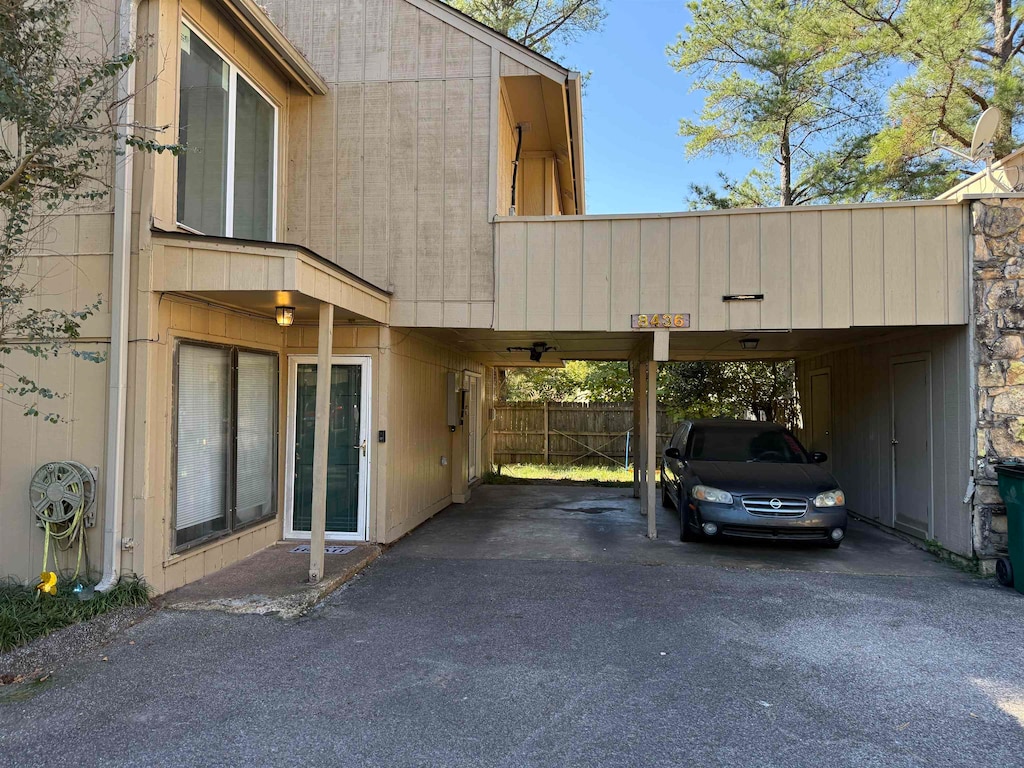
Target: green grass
point(25, 614)
point(539, 474)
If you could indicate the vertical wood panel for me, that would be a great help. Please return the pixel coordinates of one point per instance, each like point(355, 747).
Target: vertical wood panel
point(776, 309)
point(403, 195)
point(930, 265)
point(350, 176)
point(654, 265)
point(376, 59)
point(868, 280)
point(836, 277)
point(323, 175)
point(458, 53)
point(405, 32)
point(744, 269)
point(511, 276)
point(298, 170)
point(684, 268)
point(430, 49)
point(956, 265)
point(714, 272)
point(898, 265)
point(351, 41)
point(430, 191)
point(482, 259)
point(376, 259)
point(568, 289)
point(625, 274)
point(540, 275)
point(458, 97)
point(806, 269)
point(597, 243)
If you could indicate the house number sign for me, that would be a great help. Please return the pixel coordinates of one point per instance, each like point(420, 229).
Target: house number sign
point(662, 321)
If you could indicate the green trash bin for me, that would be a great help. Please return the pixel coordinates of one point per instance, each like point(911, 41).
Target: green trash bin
point(1010, 570)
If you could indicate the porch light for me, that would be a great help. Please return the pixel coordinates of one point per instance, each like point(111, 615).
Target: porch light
point(749, 344)
point(285, 316)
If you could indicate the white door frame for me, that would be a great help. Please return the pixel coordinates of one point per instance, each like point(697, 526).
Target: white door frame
point(474, 452)
point(365, 416)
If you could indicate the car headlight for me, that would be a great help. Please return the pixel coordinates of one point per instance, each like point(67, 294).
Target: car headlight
point(834, 498)
point(705, 493)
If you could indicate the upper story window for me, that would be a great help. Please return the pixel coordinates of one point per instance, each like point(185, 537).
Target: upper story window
point(227, 177)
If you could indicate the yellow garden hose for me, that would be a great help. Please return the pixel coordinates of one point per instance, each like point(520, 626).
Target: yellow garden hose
point(61, 493)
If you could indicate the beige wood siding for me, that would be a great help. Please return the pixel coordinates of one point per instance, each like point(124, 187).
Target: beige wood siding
point(71, 260)
point(818, 267)
point(418, 435)
point(389, 175)
point(861, 455)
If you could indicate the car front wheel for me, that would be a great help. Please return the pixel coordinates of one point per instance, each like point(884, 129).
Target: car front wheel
point(686, 532)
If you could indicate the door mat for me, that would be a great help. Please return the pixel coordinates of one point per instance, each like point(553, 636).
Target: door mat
point(330, 549)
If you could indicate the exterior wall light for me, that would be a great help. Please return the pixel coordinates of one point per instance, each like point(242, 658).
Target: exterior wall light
point(749, 343)
point(285, 316)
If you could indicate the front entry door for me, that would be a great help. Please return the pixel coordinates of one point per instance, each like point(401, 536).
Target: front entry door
point(911, 446)
point(347, 452)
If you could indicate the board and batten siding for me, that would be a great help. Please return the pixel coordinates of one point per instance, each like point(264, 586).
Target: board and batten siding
point(389, 175)
point(889, 264)
point(861, 455)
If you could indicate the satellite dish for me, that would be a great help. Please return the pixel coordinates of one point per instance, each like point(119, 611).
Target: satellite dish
point(984, 130)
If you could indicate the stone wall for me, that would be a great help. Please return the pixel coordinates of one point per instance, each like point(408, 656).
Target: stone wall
point(998, 284)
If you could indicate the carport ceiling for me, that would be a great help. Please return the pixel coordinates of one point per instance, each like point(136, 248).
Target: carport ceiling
point(491, 347)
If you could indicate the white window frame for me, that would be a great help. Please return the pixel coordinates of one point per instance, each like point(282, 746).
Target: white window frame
point(229, 198)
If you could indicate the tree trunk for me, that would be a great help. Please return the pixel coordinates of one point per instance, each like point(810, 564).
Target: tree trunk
point(785, 169)
point(1002, 45)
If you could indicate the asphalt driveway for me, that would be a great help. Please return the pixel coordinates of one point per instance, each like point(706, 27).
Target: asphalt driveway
point(529, 629)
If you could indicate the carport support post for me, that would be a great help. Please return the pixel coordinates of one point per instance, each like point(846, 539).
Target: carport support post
point(634, 441)
point(651, 448)
point(321, 435)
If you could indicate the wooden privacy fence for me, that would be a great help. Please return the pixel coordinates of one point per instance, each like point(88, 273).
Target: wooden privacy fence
point(568, 433)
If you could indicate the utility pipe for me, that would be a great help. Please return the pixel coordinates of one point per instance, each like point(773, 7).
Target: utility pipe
point(117, 396)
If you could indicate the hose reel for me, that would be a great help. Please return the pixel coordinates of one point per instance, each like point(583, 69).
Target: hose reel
point(61, 495)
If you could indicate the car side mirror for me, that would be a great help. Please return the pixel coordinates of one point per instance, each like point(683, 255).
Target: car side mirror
point(819, 458)
point(672, 453)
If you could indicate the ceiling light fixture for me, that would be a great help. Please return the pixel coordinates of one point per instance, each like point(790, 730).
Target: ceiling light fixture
point(285, 316)
point(749, 343)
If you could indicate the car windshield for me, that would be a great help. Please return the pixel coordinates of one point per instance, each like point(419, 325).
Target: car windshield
point(742, 443)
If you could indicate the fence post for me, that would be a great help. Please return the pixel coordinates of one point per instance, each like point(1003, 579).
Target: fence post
point(547, 435)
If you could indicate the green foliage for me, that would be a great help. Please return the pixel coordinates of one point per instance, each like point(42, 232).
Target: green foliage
point(775, 88)
point(537, 24)
point(963, 56)
point(25, 614)
point(580, 381)
point(57, 143)
point(707, 389)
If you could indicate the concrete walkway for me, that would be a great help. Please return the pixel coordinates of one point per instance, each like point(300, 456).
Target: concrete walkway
point(522, 632)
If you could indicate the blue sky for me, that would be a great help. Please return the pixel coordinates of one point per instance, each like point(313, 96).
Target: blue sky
point(635, 160)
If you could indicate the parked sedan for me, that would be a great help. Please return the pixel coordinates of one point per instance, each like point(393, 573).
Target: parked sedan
point(750, 479)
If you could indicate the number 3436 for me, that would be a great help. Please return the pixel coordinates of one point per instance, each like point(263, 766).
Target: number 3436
point(665, 321)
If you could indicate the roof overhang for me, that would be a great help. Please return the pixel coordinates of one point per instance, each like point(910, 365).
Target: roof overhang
point(257, 277)
point(251, 17)
point(1009, 170)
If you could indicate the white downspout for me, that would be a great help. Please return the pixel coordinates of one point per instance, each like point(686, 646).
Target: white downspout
point(117, 398)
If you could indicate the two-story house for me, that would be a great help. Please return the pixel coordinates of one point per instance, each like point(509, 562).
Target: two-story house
point(394, 188)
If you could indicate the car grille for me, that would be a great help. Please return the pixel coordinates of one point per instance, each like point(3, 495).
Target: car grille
point(791, 534)
point(774, 506)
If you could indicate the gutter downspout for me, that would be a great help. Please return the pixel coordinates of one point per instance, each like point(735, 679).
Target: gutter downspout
point(117, 396)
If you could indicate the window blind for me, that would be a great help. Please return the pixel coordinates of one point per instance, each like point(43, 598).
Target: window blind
point(203, 415)
point(257, 432)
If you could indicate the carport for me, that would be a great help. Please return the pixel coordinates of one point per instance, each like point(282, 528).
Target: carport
point(871, 300)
